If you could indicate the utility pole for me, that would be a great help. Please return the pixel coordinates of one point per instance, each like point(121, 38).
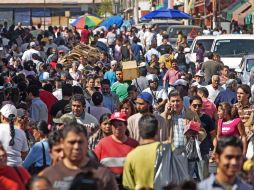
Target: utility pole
point(186, 10)
point(136, 16)
point(214, 13)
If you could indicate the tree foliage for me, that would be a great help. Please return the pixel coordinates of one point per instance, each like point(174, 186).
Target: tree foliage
point(105, 7)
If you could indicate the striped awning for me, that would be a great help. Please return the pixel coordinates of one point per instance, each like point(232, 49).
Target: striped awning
point(241, 17)
point(240, 10)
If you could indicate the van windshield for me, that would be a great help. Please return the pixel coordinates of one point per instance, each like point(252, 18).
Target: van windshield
point(249, 64)
point(234, 47)
point(172, 32)
point(207, 43)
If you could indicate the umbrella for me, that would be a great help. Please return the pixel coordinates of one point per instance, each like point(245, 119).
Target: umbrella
point(89, 20)
point(164, 13)
point(118, 20)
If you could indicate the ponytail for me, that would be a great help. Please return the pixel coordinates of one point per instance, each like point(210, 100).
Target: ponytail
point(12, 130)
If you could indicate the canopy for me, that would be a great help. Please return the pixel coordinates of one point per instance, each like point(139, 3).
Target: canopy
point(89, 20)
point(164, 13)
point(118, 20)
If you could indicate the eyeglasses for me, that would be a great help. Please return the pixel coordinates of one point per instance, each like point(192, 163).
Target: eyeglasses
point(197, 105)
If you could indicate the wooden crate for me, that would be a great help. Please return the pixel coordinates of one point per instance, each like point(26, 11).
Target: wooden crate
point(130, 70)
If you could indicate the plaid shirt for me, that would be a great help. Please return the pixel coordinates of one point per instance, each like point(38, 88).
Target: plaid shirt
point(244, 111)
point(179, 123)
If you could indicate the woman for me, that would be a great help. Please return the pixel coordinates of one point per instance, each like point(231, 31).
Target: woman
point(104, 131)
point(120, 145)
point(229, 123)
point(38, 157)
point(11, 178)
point(13, 139)
point(90, 88)
point(127, 107)
point(200, 53)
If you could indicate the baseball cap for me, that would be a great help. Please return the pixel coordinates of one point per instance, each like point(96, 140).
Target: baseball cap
point(32, 44)
point(152, 77)
point(146, 97)
point(118, 116)
point(8, 110)
point(113, 62)
point(21, 112)
point(142, 64)
point(200, 73)
point(181, 82)
point(50, 37)
point(61, 51)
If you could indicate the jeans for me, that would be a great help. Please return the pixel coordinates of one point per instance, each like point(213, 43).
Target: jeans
point(199, 167)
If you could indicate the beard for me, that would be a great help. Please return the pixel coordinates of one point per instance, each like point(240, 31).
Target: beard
point(143, 111)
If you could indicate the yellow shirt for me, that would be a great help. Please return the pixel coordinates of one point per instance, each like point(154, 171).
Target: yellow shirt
point(139, 167)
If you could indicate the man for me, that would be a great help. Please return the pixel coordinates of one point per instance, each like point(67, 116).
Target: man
point(55, 148)
point(141, 34)
point(210, 68)
point(139, 169)
point(98, 110)
point(141, 82)
point(74, 72)
point(38, 109)
point(244, 107)
point(224, 75)
point(177, 118)
point(148, 38)
point(172, 74)
point(78, 106)
point(120, 87)
point(144, 105)
point(111, 75)
point(152, 51)
point(85, 34)
point(164, 47)
point(110, 99)
point(59, 107)
point(228, 95)
point(199, 79)
point(74, 146)
point(132, 93)
point(158, 93)
point(58, 90)
point(229, 158)
point(214, 89)
point(27, 56)
point(209, 126)
point(50, 44)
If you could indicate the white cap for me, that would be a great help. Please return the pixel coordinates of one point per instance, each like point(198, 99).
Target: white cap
point(200, 73)
point(181, 82)
point(32, 44)
point(8, 110)
point(142, 64)
point(152, 77)
point(113, 62)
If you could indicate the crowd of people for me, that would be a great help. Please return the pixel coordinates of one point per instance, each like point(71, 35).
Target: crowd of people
point(85, 127)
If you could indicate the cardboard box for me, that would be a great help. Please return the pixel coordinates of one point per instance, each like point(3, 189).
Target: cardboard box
point(130, 70)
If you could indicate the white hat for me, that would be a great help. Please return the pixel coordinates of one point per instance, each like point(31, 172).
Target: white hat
point(32, 44)
point(152, 77)
point(8, 110)
point(180, 82)
point(200, 73)
point(113, 62)
point(142, 64)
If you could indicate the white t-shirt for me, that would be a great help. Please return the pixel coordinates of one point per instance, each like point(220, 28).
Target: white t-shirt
point(212, 92)
point(20, 144)
point(28, 54)
point(160, 93)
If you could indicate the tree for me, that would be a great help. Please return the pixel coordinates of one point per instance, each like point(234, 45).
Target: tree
point(105, 7)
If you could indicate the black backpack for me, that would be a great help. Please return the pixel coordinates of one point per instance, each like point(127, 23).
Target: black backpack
point(181, 58)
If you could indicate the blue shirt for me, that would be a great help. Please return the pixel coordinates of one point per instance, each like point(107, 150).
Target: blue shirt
point(39, 110)
point(35, 155)
point(111, 76)
point(211, 184)
point(226, 96)
point(135, 48)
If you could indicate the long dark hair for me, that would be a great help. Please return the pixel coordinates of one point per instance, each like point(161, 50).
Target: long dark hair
point(11, 119)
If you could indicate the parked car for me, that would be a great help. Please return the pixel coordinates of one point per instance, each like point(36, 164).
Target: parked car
point(232, 47)
point(245, 68)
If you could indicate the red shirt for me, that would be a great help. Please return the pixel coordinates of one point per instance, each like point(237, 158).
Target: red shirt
point(49, 99)
point(85, 36)
point(10, 180)
point(53, 64)
point(112, 154)
point(172, 75)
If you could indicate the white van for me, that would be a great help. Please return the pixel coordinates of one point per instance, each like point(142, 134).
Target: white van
point(232, 47)
point(206, 41)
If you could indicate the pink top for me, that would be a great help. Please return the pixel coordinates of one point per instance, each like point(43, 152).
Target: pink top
point(172, 75)
point(230, 127)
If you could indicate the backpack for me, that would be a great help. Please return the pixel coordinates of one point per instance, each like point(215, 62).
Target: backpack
point(181, 60)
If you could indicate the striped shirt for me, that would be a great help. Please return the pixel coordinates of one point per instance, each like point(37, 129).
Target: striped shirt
point(179, 123)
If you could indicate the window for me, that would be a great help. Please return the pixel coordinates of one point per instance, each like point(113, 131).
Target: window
point(234, 47)
point(249, 64)
point(207, 43)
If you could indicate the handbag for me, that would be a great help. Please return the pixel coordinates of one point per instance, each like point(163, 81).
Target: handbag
point(34, 170)
point(169, 167)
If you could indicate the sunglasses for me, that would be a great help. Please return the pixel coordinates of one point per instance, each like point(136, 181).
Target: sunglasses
point(197, 105)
